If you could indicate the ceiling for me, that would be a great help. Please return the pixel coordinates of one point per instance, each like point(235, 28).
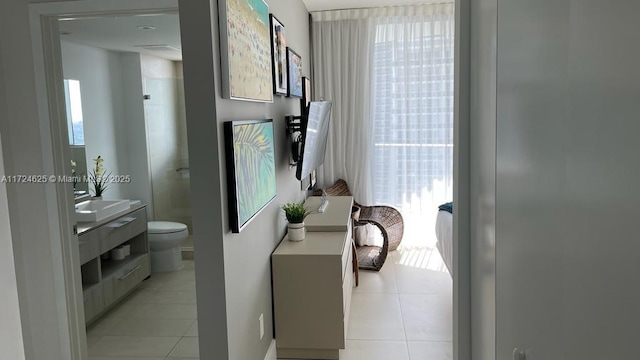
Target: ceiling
point(122, 33)
point(317, 5)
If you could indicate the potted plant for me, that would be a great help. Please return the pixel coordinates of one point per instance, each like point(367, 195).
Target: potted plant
point(98, 179)
point(295, 213)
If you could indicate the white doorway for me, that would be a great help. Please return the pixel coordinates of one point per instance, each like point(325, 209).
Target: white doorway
point(44, 23)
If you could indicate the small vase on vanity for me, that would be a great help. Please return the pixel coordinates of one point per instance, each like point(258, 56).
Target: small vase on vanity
point(296, 231)
point(295, 213)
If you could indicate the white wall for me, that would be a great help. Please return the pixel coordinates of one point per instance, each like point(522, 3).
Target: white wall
point(183, 149)
point(248, 254)
point(136, 131)
point(100, 74)
point(247, 269)
point(79, 155)
point(114, 116)
point(181, 179)
point(196, 22)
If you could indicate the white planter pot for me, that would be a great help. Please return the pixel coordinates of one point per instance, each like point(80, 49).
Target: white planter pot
point(296, 231)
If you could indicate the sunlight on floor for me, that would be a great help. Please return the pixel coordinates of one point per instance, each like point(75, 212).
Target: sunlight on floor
point(423, 258)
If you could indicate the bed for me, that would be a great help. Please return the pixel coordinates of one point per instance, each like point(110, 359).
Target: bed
point(444, 234)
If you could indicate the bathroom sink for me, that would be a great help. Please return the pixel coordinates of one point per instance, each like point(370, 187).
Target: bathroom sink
point(96, 210)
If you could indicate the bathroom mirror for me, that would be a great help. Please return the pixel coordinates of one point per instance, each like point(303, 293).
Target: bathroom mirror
point(75, 125)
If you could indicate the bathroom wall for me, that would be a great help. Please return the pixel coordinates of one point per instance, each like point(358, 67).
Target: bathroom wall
point(139, 169)
point(111, 83)
point(167, 141)
point(182, 185)
point(99, 73)
point(79, 155)
point(183, 148)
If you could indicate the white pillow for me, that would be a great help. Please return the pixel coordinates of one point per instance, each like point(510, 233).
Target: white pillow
point(368, 235)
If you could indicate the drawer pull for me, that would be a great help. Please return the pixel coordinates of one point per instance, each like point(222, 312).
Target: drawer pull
point(129, 273)
point(122, 222)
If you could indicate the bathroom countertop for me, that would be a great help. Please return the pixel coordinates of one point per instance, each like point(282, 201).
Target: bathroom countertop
point(81, 198)
point(83, 227)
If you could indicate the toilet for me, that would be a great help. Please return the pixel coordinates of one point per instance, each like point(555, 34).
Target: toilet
point(165, 238)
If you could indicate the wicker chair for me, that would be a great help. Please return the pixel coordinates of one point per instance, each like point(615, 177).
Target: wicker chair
point(386, 218)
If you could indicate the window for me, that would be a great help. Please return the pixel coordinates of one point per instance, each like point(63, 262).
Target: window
point(74, 112)
point(413, 119)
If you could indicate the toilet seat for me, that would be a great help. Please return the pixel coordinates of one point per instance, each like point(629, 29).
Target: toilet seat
point(165, 227)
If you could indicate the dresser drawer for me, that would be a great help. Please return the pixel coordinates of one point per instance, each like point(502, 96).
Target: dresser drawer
point(346, 255)
point(126, 279)
point(122, 229)
point(104, 238)
point(347, 289)
point(89, 246)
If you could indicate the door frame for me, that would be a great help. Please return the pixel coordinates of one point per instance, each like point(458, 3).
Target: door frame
point(51, 98)
point(462, 185)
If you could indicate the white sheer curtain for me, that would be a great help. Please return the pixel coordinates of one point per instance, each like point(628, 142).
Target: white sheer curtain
point(389, 72)
point(343, 73)
point(413, 115)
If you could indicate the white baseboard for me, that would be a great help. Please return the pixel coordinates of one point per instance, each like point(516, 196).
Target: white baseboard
point(271, 353)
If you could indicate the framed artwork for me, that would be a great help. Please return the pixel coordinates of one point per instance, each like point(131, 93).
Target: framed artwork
point(294, 73)
point(279, 53)
point(246, 50)
point(306, 91)
point(251, 174)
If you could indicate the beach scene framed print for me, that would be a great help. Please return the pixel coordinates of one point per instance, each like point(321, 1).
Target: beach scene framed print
point(245, 45)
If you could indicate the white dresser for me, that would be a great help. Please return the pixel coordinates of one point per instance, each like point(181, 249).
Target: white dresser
point(312, 284)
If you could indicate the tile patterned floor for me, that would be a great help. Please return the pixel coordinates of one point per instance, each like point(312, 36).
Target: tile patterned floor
point(403, 312)
point(157, 322)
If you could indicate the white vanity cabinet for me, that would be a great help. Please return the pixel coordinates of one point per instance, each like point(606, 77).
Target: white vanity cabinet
point(105, 281)
point(312, 285)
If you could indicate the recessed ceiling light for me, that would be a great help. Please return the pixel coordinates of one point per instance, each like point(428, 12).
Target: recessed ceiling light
point(146, 27)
